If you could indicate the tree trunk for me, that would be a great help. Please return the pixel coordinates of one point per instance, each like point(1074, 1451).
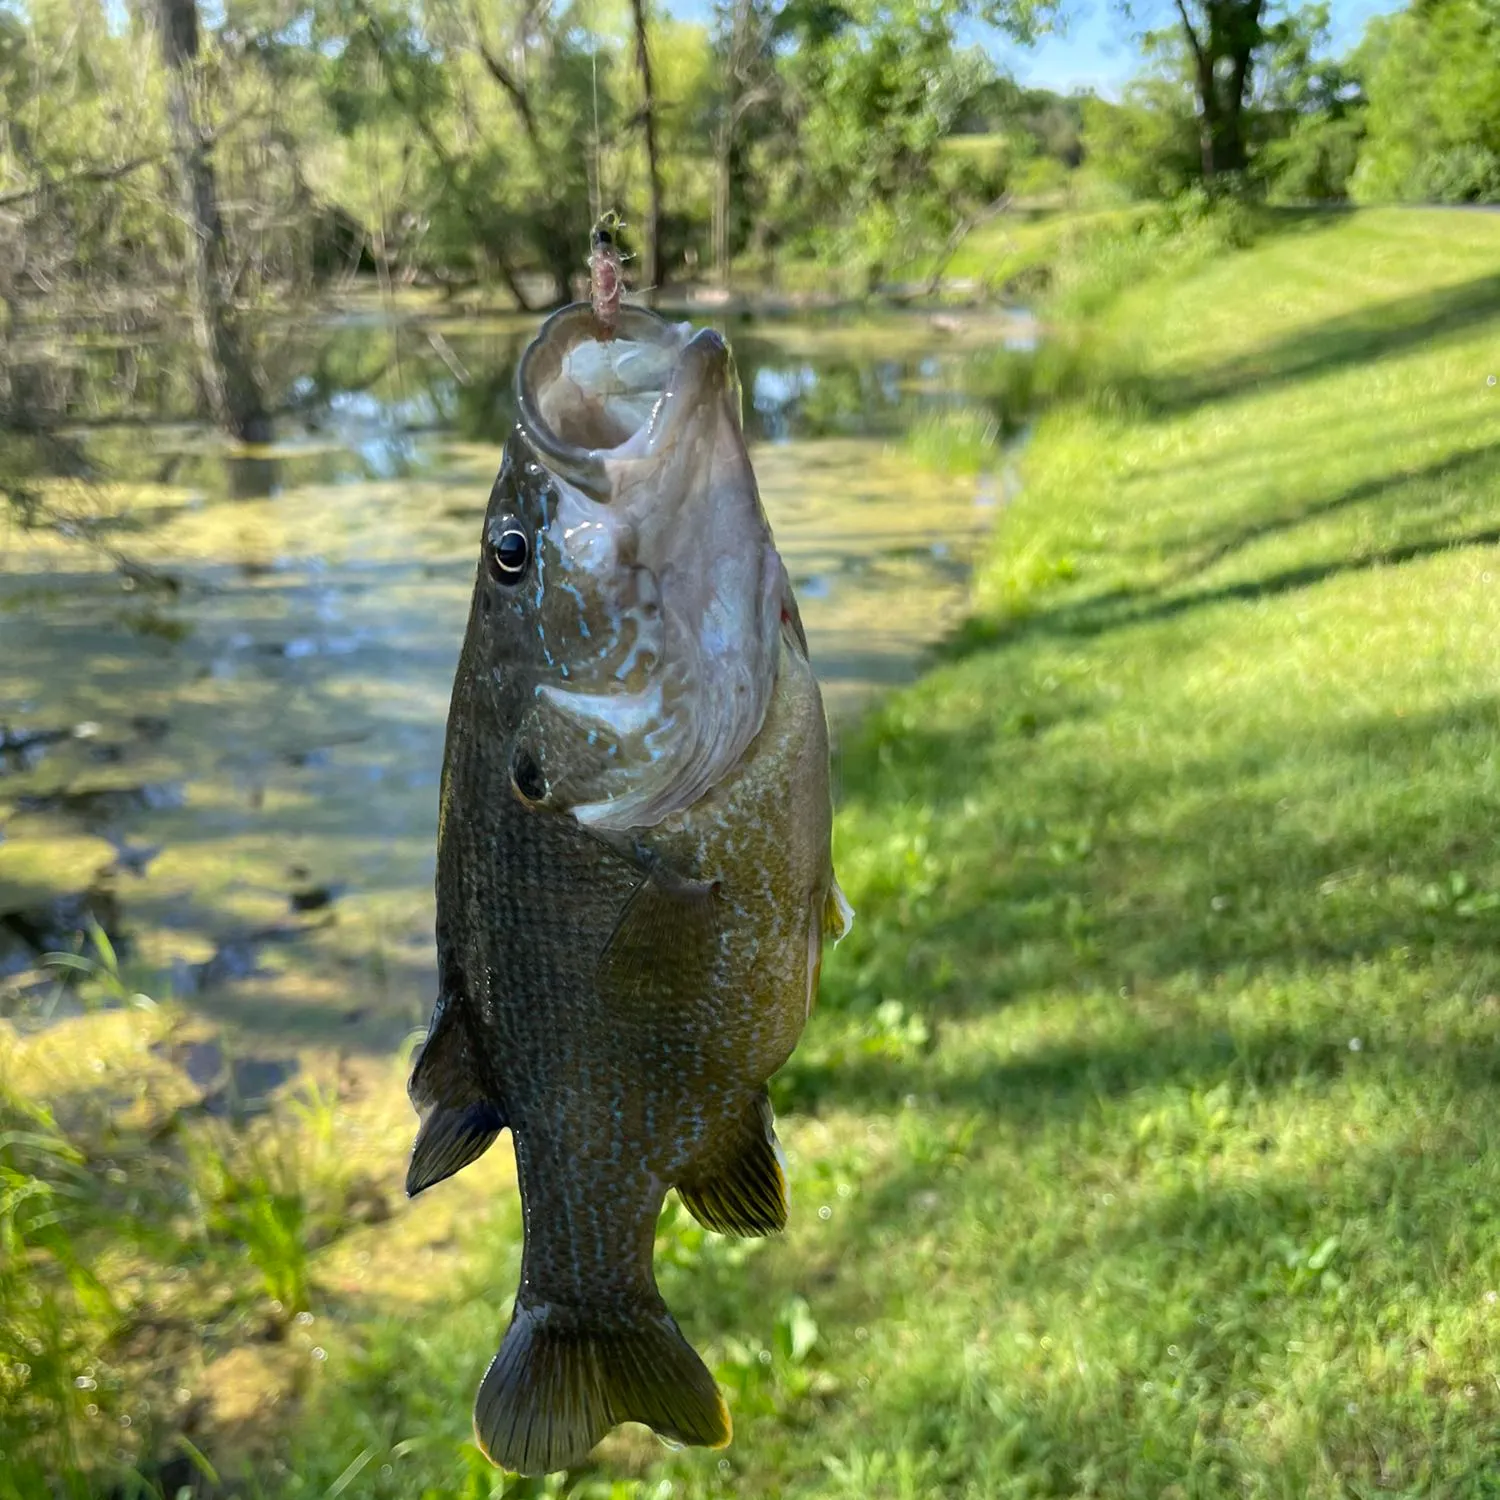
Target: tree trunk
point(722, 140)
point(1232, 156)
point(229, 382)
point(734, 63)
point(959, 234)
point(1208, 110)
point(1229, 145)
point(651, 230)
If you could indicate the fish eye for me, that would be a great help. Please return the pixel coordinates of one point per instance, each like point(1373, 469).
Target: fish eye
point(507, 551)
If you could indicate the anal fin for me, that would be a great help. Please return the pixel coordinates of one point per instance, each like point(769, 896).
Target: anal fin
point(564, 1376)
point(741, 1187)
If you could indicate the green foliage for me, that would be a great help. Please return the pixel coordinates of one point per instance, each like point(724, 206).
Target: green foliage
point(875, 99)
point(961, 441)
point(108, 1237)
point(1315, 162)
point(1434, 116)
point(453, 143)
point(1033, 121)
point(1148, 143)
point(1301, 123)
point(53, 1308)
point(274, 1192)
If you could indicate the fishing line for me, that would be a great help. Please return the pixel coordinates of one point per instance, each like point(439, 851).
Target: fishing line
point(596, 187)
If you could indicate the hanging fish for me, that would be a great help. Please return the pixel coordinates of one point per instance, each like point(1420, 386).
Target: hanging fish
point(634, 879)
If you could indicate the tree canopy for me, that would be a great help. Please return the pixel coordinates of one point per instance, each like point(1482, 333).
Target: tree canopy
point(455, 143)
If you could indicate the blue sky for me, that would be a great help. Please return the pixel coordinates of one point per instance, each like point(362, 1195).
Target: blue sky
point(1098, 50)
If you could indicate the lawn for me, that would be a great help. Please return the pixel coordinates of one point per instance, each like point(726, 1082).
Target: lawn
point(1143, 1142)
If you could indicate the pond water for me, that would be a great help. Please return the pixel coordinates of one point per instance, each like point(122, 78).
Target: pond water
point(224, 678)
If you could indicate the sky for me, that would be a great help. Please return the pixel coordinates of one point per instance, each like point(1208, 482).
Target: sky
point(1098, 50)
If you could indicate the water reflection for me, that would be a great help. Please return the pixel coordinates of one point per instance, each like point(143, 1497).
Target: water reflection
point(224, 676)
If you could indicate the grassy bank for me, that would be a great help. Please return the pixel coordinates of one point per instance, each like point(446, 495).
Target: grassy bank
point(1188, 865)
point(1143, 1142)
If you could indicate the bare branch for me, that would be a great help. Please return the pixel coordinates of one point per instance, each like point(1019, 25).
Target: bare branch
point(1192, 37)
point(125, 168)
point(85, 174)
point(418, 117)
point(507, 81)
point(960, 233)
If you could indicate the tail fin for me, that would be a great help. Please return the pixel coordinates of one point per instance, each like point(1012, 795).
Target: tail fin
point(561, 1380)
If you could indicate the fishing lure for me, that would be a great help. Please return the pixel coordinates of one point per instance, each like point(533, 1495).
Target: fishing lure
point(606, 271)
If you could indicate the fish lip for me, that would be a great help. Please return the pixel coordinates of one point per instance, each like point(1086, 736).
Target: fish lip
point(703, 376)
point(704, 372)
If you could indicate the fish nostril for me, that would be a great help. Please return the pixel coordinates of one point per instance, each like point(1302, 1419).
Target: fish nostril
point(526, 775)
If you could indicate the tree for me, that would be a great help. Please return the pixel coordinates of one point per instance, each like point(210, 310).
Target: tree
point(228, 378)
point(748, 82)
point(1223, 37)
point(1148, 142)
point(874, 87)
point(1309, 112)
point(1433, 122)
point(651, 229)
point(1244, 79)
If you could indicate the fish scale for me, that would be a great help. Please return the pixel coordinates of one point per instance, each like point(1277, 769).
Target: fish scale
point(617, 989)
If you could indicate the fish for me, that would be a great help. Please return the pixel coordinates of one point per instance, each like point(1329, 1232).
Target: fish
point(634, 883)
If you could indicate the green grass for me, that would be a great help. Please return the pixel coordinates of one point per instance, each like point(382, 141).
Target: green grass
point(964, 440)
point(137, 1239)
point(1144, 1141)
point(1189, 862)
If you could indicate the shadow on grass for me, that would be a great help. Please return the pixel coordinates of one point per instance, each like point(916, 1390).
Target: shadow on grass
point(1275, 860)
point(1200, 1300)
point(1471, 464)
point(1120, 609)
point(1370, 334)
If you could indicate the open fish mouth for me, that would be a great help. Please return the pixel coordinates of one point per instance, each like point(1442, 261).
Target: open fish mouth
point(583, 397)
point(657, 506)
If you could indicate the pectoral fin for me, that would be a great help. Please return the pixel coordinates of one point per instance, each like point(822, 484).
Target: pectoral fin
point(459, 1119)
point(741, 1189)
point(838, 915)
point(666, 940)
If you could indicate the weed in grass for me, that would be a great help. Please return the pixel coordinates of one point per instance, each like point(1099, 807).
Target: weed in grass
point(963, 440)
point(276, 1190)
point(95, 979)
point(53, 1308)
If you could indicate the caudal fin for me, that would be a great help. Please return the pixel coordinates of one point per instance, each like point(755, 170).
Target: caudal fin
point(562, 1379)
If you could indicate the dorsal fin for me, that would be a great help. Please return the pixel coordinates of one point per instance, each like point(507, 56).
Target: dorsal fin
point(459, 1118)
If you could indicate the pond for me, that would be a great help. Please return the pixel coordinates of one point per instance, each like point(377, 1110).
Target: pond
point(224, 677)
